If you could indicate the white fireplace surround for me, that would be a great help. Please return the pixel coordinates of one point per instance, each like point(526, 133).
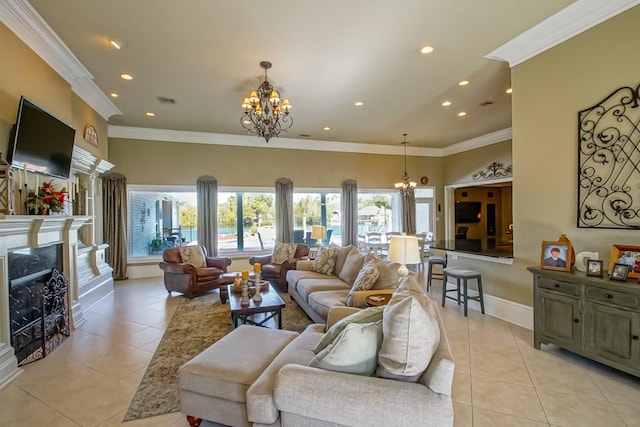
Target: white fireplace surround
point(84, 266)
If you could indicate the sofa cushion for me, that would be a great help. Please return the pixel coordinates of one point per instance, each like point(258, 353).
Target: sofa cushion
point(282, 252)
point(193, 255)
point(353, 351)
point(261, 408)
point(352, 265)
point(341, 255)
point(305, 287)
point(411, 333)
point(322, 302)
point(325, 261)
point(389, 277)
point(368, 315)
point(364, 281)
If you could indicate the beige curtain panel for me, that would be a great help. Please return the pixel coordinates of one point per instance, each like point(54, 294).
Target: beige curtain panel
point(114, 212)
point(207, 195)
point(284, 210)
point(409, 213)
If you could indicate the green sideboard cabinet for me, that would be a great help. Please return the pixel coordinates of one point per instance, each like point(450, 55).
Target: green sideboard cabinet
point(595, 317)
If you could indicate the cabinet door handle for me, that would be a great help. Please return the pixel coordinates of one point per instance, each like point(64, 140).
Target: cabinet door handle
point(609, 296)
point(576, 320)
point(635, 337)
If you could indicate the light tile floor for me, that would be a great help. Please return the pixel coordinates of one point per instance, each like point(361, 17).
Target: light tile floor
point(500, 379)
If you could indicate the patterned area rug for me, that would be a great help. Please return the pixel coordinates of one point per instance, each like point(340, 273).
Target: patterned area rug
point(196, 324)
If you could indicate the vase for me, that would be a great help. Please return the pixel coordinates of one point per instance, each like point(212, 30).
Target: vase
point(572, 256)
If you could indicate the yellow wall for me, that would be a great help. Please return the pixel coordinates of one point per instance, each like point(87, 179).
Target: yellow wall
point(25, 73)
point(548, 92)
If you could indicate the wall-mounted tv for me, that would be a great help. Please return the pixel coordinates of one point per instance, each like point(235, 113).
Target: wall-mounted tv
point(468, 212)
point(40, 142)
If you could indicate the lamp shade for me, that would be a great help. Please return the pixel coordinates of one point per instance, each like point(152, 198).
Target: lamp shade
point(318, 232)
point(404, 250)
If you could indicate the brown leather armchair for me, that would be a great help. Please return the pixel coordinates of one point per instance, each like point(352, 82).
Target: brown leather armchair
point(189, 279)
point(277, 273)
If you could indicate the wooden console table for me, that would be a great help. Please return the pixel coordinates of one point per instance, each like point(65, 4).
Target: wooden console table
point(592, 316)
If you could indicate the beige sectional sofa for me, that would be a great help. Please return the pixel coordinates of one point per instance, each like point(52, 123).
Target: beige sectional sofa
point(317, 293)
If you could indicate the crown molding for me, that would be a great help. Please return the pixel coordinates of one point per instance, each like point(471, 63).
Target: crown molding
point(188, 137)
point(25, 22)
point(569, 22)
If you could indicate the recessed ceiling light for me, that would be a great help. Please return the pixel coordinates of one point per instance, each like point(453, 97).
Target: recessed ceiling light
point(126, 76)
point(463, 83)
point(427, 49)
point(358, 103)
point(115, 44)
point(113, 95)
point(509, 90)
point(446, 103)
point(462, 113)
point(326, 128)
point(150, 114)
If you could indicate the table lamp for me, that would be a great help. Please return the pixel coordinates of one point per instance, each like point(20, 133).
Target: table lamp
point(318, 232)
point(404, 250)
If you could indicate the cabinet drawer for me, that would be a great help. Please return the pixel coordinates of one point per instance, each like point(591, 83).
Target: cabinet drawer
point(559, 286)
point(613, 297)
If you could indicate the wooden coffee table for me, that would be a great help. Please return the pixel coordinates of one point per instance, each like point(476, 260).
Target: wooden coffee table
point(271, 305)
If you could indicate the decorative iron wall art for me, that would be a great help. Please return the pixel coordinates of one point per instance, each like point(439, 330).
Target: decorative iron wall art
point(609, 162)
point(493, 171)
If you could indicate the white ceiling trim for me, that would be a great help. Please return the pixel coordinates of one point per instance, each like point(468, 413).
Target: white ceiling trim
point(21, 18)
point(128, 132)
point(569, 22)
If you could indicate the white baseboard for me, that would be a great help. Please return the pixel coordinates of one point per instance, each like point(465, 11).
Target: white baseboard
point(8, 365)
point(510, 311)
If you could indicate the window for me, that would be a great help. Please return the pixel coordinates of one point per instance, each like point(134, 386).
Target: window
point(378, 212)
point(246, 221)
point(425, 209)
point(316, 208)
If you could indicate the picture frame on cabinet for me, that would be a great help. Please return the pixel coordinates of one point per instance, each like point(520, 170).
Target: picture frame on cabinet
point(555, 255)
point(626, 254)
point(619, 272)
point(594, 268)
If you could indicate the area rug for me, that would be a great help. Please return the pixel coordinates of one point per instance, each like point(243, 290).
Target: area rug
point(196, 324)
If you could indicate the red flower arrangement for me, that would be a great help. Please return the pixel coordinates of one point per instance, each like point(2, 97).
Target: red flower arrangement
point(47, 199)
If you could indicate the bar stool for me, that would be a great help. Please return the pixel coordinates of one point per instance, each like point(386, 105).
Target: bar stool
point(463, 275)
point(435, 260)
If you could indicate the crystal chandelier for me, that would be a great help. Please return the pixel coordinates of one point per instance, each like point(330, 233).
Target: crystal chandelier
point(265, 113)
point(406, 186)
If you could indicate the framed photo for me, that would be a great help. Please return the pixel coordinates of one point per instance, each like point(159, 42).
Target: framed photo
point(313, 252)
point(555, 256)
point(594, 267)
point(619, 272)
point(625, 254)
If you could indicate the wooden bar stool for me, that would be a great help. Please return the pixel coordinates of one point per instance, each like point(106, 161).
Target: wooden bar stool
point(462, 275)
point(435, 260)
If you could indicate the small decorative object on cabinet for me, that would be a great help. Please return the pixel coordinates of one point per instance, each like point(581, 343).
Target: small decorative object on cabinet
point(625, 254)
point(594, 268)
point(591, 316)
point(555, 255)
point(619, 272)
point(583, 257)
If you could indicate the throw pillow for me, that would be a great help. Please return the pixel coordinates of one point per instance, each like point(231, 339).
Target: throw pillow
point(341, 255)
point(411, 334)
point(354, 351)
point(364, 281)
point(282, 252)
point(351, 266)
point(193, 255)
point(389, 276)
point(325, 261)
point(368, 315)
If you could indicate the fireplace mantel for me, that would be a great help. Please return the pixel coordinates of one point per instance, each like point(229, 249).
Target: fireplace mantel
point(88, 274)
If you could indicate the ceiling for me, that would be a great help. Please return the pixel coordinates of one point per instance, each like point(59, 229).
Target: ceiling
point(326, 55)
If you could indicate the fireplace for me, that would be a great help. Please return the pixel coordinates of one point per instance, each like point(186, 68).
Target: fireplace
point(37, 302)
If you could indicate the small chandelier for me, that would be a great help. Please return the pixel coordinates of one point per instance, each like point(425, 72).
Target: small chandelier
point(406, 186)
point(265, 113)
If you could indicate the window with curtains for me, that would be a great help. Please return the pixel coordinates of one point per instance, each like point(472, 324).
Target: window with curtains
point(246, 221)
point(317, 208)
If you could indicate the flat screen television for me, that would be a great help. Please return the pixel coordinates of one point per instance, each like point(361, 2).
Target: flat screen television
point(40, 142)
point(468, 212)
